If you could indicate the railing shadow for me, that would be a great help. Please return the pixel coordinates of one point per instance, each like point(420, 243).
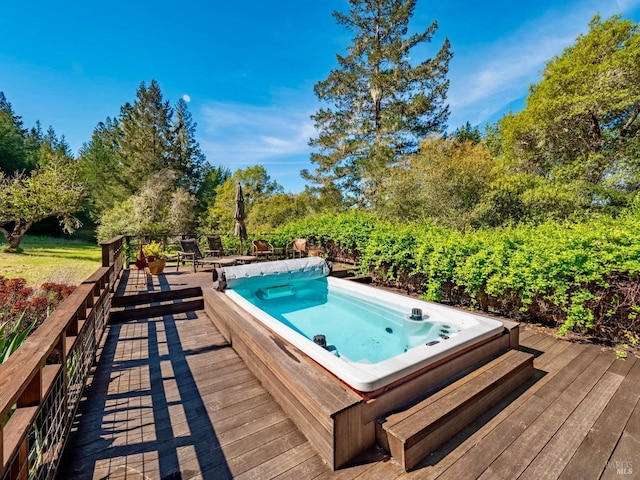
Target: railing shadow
point(143, 413)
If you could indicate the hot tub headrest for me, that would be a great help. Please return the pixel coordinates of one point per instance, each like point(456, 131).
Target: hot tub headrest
point(273, 273)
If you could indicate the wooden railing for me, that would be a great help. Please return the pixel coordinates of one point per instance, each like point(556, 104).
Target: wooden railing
point(42, 382)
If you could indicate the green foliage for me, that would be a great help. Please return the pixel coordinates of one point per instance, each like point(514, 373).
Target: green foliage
point(52, 190)
point(157, 208)
point(212, 178)
point(153, 249)
point(382, 101)
point(12, 336)
point(580, 126)
point(147, 137)
point(443, 182)
point(347, 233)
point(15, 152)
point(257, 187)
point(99, 164)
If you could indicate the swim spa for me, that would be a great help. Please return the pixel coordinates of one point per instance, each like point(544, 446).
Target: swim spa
point(366, 337)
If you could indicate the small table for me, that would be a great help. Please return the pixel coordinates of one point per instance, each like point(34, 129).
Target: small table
point(244, 258)
point(223, 262)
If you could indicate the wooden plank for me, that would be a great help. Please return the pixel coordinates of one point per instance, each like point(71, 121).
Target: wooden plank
point(14, 432)
point(309, 469)
point(301, 374)
point(238, 464)
point(517, 456)
point(244, 438)
point(307, 393)
point(541, 347)
point(365, 463)
point(16, 372)
point(318, 432)
point(473, 435)
point(532, 340)
point(524, 333)
point(352, 435)
point(388, 470)
point(151, 297)
point(477, 453)
point(591, 457)
point(623, 462)
point(552, 459)
point(156, 311)
point(456, 413)
point(405, 422)
point(283, 462)
point(550, 354)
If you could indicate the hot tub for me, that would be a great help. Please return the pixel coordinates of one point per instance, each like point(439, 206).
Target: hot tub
point(367, 337)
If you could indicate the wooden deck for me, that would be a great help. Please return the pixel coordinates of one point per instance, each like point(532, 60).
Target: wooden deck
point(169, 399)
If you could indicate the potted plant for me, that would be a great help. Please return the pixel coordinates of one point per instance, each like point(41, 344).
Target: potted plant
point(156, 258)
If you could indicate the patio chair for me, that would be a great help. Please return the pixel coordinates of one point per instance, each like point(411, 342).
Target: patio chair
point(299, 246)
point(262, 248)
point(190, 252)
point(215, 246)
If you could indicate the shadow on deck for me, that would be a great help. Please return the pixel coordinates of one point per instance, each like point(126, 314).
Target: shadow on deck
point(143, 412)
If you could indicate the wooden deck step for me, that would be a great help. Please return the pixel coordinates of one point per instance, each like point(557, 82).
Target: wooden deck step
point(151, 297)
point(155, 304)
point(412, 434)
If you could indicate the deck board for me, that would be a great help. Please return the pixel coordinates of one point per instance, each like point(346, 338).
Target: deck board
point(517, 457)
point(169, 398)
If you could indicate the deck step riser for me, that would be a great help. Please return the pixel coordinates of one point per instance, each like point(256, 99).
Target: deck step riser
point(152, 297)
point(156, 310)
point(441, 435)
point(458, 411)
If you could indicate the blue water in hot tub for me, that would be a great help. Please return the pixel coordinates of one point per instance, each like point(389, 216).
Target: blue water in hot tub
point(359, 328)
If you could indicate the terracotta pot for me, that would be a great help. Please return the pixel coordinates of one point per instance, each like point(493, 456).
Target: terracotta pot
point(157, 266)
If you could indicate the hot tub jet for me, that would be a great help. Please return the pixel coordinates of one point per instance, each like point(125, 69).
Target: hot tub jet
point(320, 340)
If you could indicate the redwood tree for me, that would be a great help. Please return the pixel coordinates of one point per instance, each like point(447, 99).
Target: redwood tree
point(383, 99)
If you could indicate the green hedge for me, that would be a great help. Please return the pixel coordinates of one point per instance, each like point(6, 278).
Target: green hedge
point(582, 277)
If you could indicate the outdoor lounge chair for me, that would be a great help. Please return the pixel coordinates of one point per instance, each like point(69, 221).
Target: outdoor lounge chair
point(215, 246)
point(262, 248)
point(190, 252)
point(299, 247)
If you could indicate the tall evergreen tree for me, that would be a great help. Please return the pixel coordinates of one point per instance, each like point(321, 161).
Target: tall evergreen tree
point(146, 135)
point(16, 153)
point(212, 178)
point(99, 161)
point(186, 158)
point(383, 103)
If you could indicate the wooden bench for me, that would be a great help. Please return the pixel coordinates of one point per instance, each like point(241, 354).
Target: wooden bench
point(414, 433)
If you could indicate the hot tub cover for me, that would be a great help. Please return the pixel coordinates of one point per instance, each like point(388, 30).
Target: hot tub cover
point(280, 272)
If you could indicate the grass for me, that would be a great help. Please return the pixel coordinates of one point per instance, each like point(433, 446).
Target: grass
point(49, 259)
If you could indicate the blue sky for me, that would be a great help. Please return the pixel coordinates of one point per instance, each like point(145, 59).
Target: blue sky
point(248, 68)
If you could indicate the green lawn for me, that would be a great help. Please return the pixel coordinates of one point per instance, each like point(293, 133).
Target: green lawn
point(48, 259)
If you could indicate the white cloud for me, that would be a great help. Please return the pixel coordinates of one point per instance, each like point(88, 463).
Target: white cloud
point(237, 134)
point(485, 81)
point(186, 98)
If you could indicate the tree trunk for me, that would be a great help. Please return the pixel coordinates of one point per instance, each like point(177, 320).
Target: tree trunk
point(14, 239)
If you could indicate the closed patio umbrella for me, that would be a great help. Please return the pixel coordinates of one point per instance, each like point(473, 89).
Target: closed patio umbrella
point(239, 230)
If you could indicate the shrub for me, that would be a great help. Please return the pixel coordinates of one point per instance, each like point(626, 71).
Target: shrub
point(23, 308)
